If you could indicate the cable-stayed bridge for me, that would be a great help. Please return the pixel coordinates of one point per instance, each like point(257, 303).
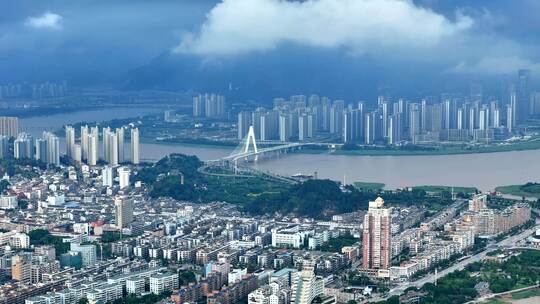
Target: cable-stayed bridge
point(247, 151)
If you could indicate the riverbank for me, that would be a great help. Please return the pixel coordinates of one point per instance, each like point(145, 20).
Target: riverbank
point(450, 189)
point(367, 186)
point(194, 144)
point(531, 190)
point(54, 109)
point(533, 144)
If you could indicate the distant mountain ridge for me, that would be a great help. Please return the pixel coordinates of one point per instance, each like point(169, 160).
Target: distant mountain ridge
point(296, 70)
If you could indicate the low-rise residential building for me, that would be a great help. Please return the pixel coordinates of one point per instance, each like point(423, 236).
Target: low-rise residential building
point(135, 285)
point(289, 237)
point(162, 282)
point(105, 292)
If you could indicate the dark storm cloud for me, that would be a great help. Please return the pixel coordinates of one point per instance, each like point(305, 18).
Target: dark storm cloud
point(94, 33)
point(461, 36)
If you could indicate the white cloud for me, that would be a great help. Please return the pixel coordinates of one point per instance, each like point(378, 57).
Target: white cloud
point(495, 65)
point(47, 20)
point(240, 26)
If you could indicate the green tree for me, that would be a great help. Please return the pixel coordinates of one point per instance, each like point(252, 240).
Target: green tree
point(110, 236)
point(43, 237)
point(23, 204)
point(185, 277)
point(83, 301)
point(4, 184)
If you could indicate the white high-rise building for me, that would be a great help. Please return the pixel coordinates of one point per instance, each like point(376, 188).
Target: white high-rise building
point(107, 176)
point(53, 148)
point(110, 146)
point(9, 126)
point(460, 119)
point(105, 143)
point(84, 143)
point(511, 113)
point(306, 287)
point(496, 118)
point(77, 153)
point(135, 148)
point(124, 212)
point(4, 146)
point(93, 148)
point(244, 121)
point(41, 150)
point(113, 149)
point(482, 119)
point(123, 176)
point(70, 141)
point(120, 139)
point(23, 147)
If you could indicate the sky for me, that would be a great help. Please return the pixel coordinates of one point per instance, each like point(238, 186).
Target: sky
point(109, 42)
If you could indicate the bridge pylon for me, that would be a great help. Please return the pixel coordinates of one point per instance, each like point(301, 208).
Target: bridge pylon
point(250, 138)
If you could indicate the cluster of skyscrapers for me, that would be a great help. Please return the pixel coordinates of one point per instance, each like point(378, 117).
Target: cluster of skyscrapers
point(9, 126)
point(87, 149)
point(34, 90)
point(45, 149)
point(113, 143)
point(290, 120)
point(449, 118)
point(209, 106)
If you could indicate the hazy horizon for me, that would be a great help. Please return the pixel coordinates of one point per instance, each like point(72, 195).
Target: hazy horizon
point(268, 48)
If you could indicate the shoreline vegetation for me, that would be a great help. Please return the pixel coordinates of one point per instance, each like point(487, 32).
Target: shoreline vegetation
point(440, 189)
point(374, 186)
point(526, 190)
point(367, 186)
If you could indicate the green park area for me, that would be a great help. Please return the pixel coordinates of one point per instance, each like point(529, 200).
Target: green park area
point(336, 244)
point(40, 237)
point(529, 296)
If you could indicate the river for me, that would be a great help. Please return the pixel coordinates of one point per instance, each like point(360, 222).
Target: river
point(484, 170)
